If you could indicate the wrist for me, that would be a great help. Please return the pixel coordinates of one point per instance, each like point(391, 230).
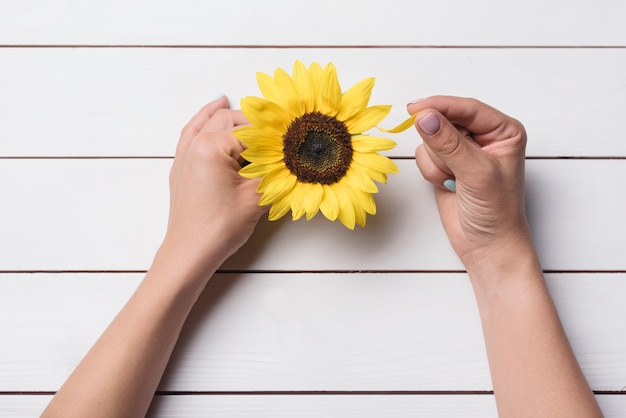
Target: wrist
point(186, 265)
point(514, 259)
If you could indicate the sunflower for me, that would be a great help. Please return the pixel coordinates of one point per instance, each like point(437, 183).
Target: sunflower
point(306, 142)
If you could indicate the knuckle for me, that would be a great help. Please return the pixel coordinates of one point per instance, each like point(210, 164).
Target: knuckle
point(517, 132)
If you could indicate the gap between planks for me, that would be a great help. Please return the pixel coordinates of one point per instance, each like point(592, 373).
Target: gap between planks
point(225, 46)
point(312, 393)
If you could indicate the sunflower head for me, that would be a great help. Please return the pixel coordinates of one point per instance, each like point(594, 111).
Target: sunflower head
point(307, 143)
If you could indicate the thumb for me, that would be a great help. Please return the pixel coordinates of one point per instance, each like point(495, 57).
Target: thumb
point(452, 146)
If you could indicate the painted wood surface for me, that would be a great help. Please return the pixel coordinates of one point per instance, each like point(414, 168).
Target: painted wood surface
point(259, 332)
point(287, 406)
point(303, 332)
point(110, 214)
point(133, 102)
point(92, 100)
point(323, 22)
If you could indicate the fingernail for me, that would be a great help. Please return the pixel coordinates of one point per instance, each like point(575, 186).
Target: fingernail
point(416, 101)
point(450, 185)
point(216, 98)
point(430, 124)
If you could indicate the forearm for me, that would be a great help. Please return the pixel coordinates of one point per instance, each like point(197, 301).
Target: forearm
point(533, 368)
point(119, 375)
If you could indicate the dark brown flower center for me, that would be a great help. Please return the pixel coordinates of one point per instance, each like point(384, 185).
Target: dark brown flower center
point(317, 148)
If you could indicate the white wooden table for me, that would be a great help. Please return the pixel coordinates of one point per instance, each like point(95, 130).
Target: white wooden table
point(309, 319)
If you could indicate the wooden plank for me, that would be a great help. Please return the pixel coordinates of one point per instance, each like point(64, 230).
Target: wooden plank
point(133, 102)
point(277, 406)
point(325, 22)
point(110, 214)
point(400, 406)
point(303, 332)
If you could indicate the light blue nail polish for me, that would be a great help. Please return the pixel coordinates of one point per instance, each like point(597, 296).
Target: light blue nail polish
point(216, 98)
point(450, 185)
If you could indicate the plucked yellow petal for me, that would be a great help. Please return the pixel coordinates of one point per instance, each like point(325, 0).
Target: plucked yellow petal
point(329, 95)
point(367, 119)
point(366, 143)
point(400, 128)
point(355, 99)
point(313, 193)
point(329, 205)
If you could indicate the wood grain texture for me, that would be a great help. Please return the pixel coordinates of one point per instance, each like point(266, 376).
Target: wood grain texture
point(119, 79)
point(134, 102)
point(302, 332)
point(324, 22)
point(110, 214)
point(287, 406)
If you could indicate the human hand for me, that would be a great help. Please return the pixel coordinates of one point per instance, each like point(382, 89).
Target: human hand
point(483, 150)
point(213, 209)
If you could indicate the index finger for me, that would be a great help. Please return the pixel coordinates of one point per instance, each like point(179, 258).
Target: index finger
point(192, 128)
point(224, 120)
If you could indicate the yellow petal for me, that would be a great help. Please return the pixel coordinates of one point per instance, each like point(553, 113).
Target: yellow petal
point(276, 184)
point(251, 136)
point(315, 75)
point(253, 170)
point(355, 99)
point(367, 119)
point(363, 203)
point(329, 94)
point(265, 114)
point(297, 201)
point(268, 141)
point(366, 200)
point(346, 209)
point(357, 203)
point(303, 83)
point(400, 128)
point(374, 175)
point(268, 87)
point(375, 162)
point(329, 204)
point(279, 208)
point(359, 180)
point(290, 98)
point(366, 143)
point(262, 156)
point(312, 199)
